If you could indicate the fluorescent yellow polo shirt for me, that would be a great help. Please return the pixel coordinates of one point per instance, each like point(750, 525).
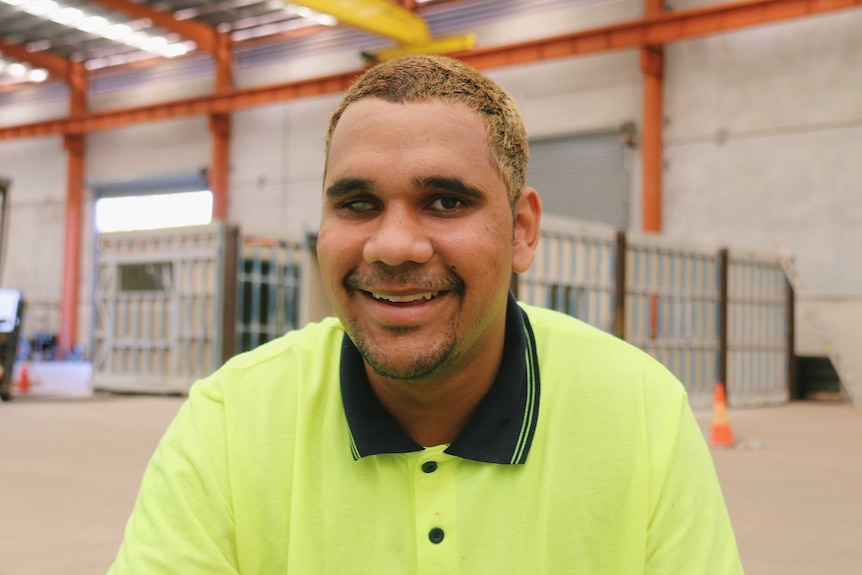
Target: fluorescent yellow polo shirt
point(584, 457)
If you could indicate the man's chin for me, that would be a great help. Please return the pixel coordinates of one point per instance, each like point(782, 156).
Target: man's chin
point(410, 367)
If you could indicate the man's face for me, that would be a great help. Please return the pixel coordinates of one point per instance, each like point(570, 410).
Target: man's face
point(416, 242)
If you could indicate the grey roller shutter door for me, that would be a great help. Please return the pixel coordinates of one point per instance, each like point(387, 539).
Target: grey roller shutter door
point(583, 177)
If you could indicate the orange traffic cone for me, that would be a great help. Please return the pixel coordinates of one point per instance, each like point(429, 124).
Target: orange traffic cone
point(721, 434)
point(24, 381)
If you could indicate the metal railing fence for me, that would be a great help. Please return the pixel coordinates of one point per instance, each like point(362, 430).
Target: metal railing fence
point(709, 315)
point(268, 284)
point(174, 304)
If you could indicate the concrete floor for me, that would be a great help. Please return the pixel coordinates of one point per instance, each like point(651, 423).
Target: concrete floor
point(70, 469)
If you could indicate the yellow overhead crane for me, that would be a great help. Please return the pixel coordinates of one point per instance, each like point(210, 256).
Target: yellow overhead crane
point(384, 18)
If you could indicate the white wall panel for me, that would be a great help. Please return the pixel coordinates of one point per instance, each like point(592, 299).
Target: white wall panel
point(545, 23)
point(787, 77)
point(277, 166)
point(37, 168)
point(313, 66)
point(149, 150)
point(581, 94)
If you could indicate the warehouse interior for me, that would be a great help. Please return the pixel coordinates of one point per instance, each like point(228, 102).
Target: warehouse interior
point(698, 162)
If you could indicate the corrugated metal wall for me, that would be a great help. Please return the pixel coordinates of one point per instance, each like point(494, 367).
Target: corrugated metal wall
point(583, 176)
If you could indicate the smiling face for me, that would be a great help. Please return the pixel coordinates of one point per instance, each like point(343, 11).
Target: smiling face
point(417, 241)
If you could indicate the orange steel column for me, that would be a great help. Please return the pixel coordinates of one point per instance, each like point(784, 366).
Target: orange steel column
point(75, 145)
point(220, 128)
point(652, 65)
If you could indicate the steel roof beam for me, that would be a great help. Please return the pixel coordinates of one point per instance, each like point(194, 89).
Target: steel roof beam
point(667, 27)
point(55, 65)
point(660, 29)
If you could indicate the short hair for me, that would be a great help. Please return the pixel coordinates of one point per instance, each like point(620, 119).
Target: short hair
point(429, 78)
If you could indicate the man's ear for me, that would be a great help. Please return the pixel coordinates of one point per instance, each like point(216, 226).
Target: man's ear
point(528, 213)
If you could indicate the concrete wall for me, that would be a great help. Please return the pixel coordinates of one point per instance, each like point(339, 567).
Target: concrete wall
point(763, 136)
point(762, 144)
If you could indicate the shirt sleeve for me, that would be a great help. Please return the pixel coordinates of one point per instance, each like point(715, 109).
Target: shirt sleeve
point(182, 521)
point(690, 531)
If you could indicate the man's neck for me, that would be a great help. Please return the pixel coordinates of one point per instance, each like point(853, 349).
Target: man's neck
point(434, 411)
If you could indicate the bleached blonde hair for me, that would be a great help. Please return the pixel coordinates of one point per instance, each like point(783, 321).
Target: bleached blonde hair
point(428, 78)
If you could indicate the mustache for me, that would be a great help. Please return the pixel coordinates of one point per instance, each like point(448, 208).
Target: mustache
point(377, 277)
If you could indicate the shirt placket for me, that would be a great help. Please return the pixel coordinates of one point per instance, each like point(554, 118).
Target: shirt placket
point(434, 499)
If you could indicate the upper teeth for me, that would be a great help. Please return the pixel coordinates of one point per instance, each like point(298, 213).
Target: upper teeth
point(405, 298)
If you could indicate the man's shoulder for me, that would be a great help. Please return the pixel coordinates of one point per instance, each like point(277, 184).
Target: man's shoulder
point(318, 341)
point(304, 361)
point(551, 322)
point(567, 345)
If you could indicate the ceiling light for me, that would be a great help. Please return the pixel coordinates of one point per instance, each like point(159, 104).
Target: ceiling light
point(174, 50)
point(136, 39)
point(41, 7)
point(37, 75)
point(94, 25)
point(154, 43)
point(117, 32)
point(16, 69)
point(17, 72)
point(100, 26)
point(68, 16)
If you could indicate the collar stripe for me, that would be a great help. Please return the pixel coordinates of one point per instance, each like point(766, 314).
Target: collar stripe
point(528, 426)
point(353, 448)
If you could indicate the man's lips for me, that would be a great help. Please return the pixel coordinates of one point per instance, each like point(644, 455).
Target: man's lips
point(404, 287)
point(404, 298)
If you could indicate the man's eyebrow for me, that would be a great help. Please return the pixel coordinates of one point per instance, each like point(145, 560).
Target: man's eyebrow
point(346, 186)
point(454, 185)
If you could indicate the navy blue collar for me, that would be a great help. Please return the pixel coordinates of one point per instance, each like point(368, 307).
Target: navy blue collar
point(501, 428)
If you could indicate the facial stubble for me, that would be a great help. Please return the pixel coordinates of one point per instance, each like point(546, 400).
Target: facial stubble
point(441, 351)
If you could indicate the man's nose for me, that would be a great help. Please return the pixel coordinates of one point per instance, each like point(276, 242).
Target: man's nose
point(398, 238)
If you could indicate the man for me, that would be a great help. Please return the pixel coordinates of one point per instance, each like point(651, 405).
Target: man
point(437, 426)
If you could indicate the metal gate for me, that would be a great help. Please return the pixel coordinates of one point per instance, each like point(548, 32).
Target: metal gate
point(672, 309)
point(268, 282)
point(757, 329)
point(158, 308)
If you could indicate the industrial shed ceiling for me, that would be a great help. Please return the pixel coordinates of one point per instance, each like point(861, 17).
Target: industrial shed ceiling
point(39, 38)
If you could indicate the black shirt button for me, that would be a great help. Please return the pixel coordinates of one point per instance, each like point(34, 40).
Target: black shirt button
point(436, 535)
point(429, 466)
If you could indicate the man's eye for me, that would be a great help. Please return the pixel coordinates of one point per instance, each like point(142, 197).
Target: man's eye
point(358, 205)
point(446, 204)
